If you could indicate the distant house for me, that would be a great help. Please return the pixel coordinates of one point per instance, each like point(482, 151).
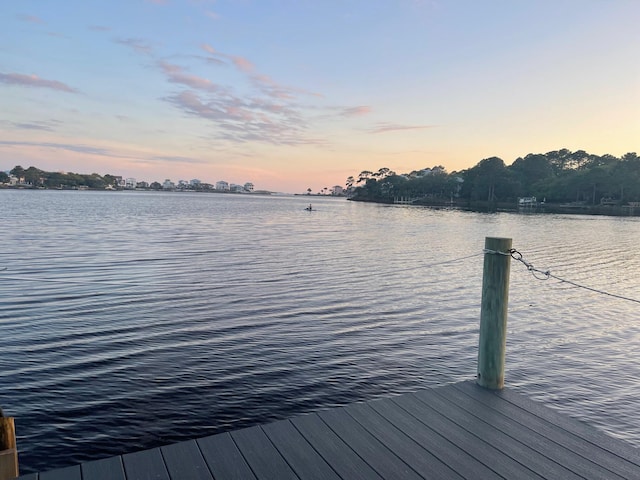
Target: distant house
point(130, 183)
point(337, 190)
point(248, 187)
point(168, 185)
point(222, 185)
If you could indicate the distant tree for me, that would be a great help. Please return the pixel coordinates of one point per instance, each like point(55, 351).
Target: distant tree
point(4, 178)
point(109, 180)
point(350, 182)
point(33, 176)
point(155, 186)
point(490, 181)
point(17, 171)
point(309, 191)
point(532, 170)
point(364, 176)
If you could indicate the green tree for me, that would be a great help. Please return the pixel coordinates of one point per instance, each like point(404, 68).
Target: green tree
point(17, 172)
point(33, 176)
point(4, 177)
point(490, 181)
point(531, 171)
point(350, 182)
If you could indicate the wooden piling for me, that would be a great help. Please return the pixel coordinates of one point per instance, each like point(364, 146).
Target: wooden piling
point(493, 313)
point(8, 449)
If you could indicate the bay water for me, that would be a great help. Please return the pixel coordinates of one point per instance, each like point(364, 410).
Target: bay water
point(130, 320)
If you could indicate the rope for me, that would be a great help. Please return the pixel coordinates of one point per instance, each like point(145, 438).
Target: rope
point(546, 274)
point(453, 260)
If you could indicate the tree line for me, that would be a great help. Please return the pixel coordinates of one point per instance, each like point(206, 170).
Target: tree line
point(561, 176)
point(39, 178)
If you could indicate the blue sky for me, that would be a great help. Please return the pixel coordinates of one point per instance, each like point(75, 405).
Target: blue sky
point(301, 94)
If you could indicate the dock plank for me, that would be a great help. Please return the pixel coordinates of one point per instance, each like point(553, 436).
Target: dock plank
point(299, 454)
point(410, 451)
point(110, 468)
point(580, 438)
point(145, 465)
point(67, 473)
point(185, 461)
point(368, 447)
point(263, 458)
point(224, 458)
point(581, 466)
point(335, 451)
point(440, 446)
point(496, 438)
point(475, 446)
point(574, 426)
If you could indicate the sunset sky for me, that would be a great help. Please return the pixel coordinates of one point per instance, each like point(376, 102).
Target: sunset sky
point(301, 94)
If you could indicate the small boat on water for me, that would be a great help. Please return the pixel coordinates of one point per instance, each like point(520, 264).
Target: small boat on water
point(309, 208)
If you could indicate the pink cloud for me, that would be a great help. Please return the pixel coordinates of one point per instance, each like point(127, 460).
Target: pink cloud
point(389, 127)
point(175, 75)
point(242, 64)
point(356, 111)
point(30, 18)
point(209, 49)
point(34, 81)
point(136, 44)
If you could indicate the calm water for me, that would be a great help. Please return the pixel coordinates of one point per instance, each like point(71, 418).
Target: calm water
point(132, 320)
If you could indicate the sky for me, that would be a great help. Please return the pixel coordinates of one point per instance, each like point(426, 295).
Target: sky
point(298, 94)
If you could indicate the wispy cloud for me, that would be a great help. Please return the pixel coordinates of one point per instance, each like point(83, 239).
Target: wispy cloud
point(103, 152)
point(79, 148)
point(99, 28)
point(242, 121)
point(158, 2)
point(34, 81)
point(30, 19)
point(356, 111)
point(212, 15)
point(136, 44)
point(391, 127)
point(36, 125)
point(265, 112)
point(177, 159)
point(175, 74)
point(242, 64)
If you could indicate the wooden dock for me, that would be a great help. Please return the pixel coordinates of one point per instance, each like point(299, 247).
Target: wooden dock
point(458, 431)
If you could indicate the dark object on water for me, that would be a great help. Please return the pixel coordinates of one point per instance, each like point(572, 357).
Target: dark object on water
point(309, 208)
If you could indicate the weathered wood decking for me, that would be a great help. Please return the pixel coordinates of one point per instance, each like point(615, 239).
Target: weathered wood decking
point(456, 431)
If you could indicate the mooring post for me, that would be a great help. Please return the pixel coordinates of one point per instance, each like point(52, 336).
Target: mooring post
point(493, 313)
point(8, 450)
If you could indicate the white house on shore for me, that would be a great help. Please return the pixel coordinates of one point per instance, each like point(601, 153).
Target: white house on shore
point(222, 185)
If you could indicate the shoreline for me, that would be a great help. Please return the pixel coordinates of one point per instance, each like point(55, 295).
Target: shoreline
point(546, 208)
